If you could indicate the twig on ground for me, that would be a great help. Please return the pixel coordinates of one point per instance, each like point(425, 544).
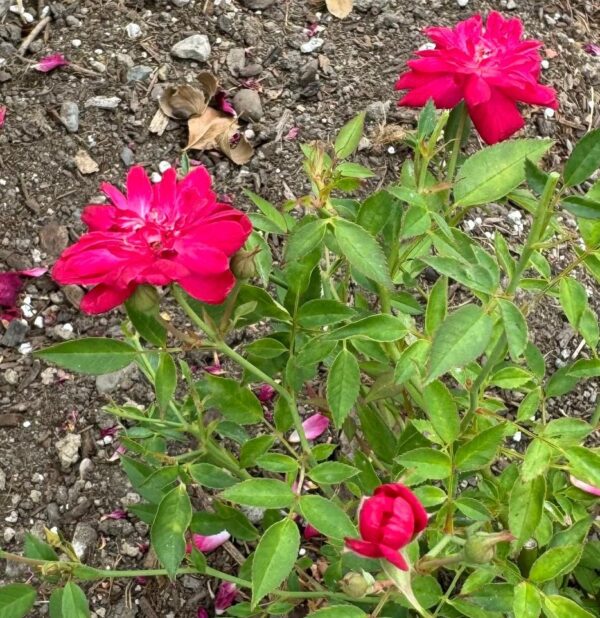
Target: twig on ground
point(29, 201)
point(30, 38)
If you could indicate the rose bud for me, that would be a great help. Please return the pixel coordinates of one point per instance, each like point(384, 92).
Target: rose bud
point(481, 548)
point(357, 585)
point(388, 521)
point(145, 299)
point(242, 264)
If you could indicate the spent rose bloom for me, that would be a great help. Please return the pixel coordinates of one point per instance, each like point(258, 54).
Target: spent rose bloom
point(225, 597)
point(388, 521)
point(170, 232)
point(491, 67)
point(49, 63)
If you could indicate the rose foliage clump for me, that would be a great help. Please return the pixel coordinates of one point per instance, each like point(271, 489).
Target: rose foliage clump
point(356, 449)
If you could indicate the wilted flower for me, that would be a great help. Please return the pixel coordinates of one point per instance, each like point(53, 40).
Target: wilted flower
point(49, 63)
point(590, 489)
point(265, 393)
point(170, 232)
point(592, 49)
point(489, 66)
point(208, 543)
point(11, 284)
point(314, 426)
point(225, 597)
point(223, 103)
point(388, 521)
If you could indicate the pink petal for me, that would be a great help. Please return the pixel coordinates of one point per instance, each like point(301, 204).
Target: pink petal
point(314, 426)
point(202, 613)
point(292, 134)
point(497, 119)
point(592, 49)
point(590, 489)
point(10, 286)
point(2, 115)
point(393, 556)
point(34, 272)
point(310, 532)
point(363, 548)
point(49, 63)
point(266, 393)
point(209, 543)
point(103, 298)
point(225, 597)
point(224, 104)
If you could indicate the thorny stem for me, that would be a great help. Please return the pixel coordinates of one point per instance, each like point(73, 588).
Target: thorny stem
point(92, 573)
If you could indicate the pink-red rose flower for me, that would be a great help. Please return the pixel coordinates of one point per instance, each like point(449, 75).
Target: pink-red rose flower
point(388, 521)
point(172, 232)
point(491, 67)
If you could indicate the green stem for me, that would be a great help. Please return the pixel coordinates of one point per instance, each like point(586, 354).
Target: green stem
point(456, 146)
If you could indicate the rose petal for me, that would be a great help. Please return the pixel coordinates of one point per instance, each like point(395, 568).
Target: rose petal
point(209, 543)
point(314, 426)
point(590, 489)
point(49, 63)
point(2, 115)
point(225, 597)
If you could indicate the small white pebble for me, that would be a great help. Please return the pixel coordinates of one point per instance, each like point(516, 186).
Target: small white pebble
point(25, 348)
point(39, 322)
point(462, 3)
point(27, 424)
point(548, 113)
point(545, 64)
point(155, 177)
point(427, 46)
point(76, 42)
point(517, 437)
point(302, 552)
point(469, 224)
point(133, 31)
point(391, 150)
point(163, 166)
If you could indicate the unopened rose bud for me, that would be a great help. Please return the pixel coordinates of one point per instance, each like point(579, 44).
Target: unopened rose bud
point(481, 548)
point(355, 585)
point(242, 264)
point(145, 299)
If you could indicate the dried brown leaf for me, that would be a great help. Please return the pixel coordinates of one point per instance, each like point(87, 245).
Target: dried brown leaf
point(209, 84)
point(183, 102)
point(339, 8)
point(241, 153)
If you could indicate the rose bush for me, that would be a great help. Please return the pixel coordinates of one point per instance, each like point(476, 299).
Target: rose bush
point(392, 366)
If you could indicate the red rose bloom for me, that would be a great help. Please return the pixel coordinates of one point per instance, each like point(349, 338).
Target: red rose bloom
point(170, 232)
point(388, 521)
point(491, 68)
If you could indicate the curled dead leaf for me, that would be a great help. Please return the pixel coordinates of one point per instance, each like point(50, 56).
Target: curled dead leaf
point(183, 102)
point(209, 84)
point(339, 8)
point(159, 122)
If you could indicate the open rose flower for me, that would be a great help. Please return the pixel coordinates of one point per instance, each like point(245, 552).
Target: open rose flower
point(172, 232)
point(388, 521)
point(491, 68)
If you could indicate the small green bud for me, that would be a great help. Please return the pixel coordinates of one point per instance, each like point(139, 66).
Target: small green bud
point(242, 264)
point(481, 548)
point(356, 585)
point(145, 299)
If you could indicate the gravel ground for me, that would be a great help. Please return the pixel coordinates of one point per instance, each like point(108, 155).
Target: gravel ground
point(68, 130)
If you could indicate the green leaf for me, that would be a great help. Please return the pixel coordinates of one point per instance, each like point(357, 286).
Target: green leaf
point(582, 206)
point(268, 210)
point(562, 607)
point(411, 360)
point(354, 170)
point(332, 472)
point(473, 509)
point(584, 160)
point(207, 475)
point(34, 548)
point(437, 306)
point(92, 355)
point(169, 527)
point(479, 451)
point(165, 381)
point(148, 324)
point(461, 338)
point(16, 600)
point(427, 120)
point(381, 328)
point(349, 136)
point(274, 558)
point(525, 508)
point(276, 462)
point(362, 251)
point(529, 405)
point(254, 448)
point(428, 463)
point(416, 221)
point(495, 171)
point(236, 403)
point(573, 300)
point(338, 611)
point(327, 517)
point(510, 377)
point(343, 385)
point(74, 603)
point(554, 562)
point(515, 328)
point(537, 459)
point(585, 464)
point(55, 604)
point(305, 238)
point(266, 348)
point(264, 493)
point(527, 602)
point(442, 411)
point(322, 312)
point(536, 178)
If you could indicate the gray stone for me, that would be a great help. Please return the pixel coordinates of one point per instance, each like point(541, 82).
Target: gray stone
point(2, 480)
point(68, 449)
point(125, 60)
point(377, 111)
point(257, 5)
point(5, 76)
point(103, 102)
point(15, 333)
point(127, 156)
point(251, 70)
point(69, 116)
point(72, 21)
point(236, 59)
point(84, 539)
point(180, 3)
point(139, 73)
point(9, 534)
point(195, 47)
point(54, 238)
point(108, 382)
point(99, 66)
point(309, 72)
point(247, 104)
